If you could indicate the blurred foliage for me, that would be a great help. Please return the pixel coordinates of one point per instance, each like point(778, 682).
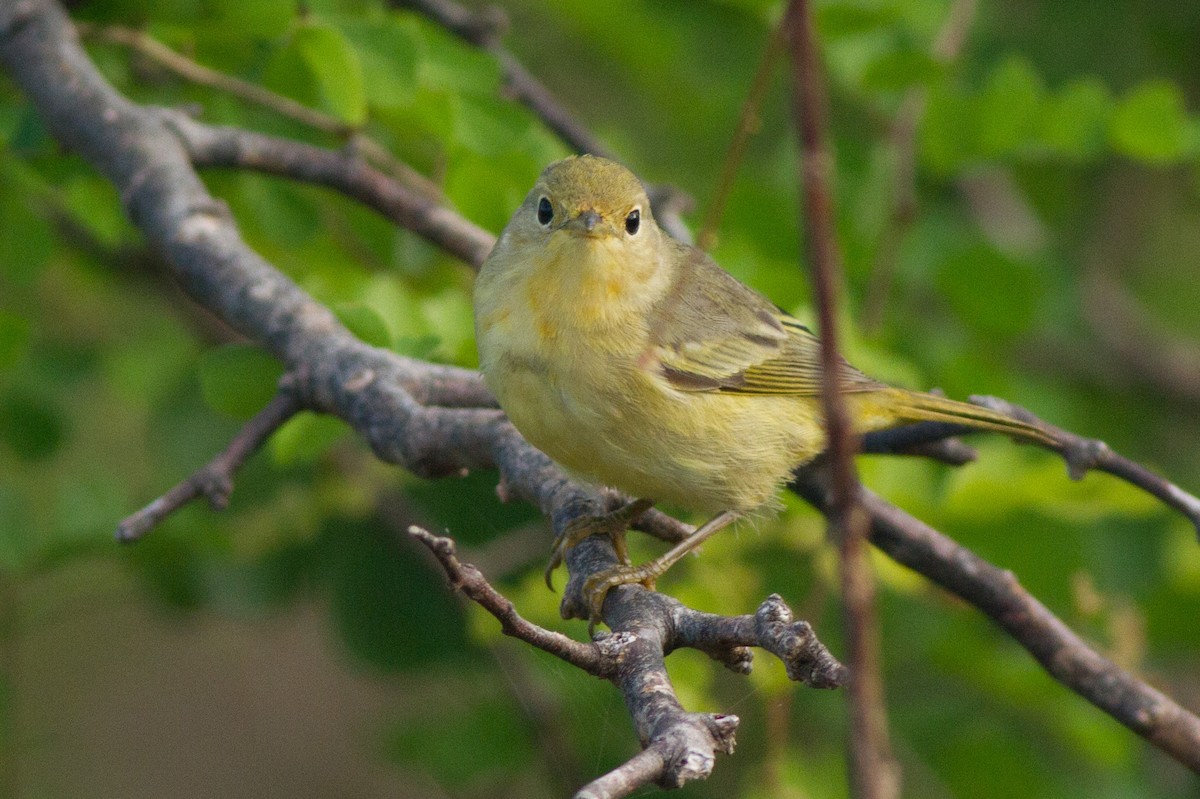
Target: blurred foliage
point(1061, 145)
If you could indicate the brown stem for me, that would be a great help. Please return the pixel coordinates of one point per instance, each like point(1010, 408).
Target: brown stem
point(873, 774)
point(598, 659)
point(1089, 454)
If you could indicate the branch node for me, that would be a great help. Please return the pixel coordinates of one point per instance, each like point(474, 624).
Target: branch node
point(216, 486)
point(442, 547)
point(613, 646)
point(793, 642)
point(723, 727)
point(1083, 455)
point(21, 15)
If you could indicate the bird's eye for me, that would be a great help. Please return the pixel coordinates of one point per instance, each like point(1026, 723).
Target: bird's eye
point(633, 221)
point(545, 211)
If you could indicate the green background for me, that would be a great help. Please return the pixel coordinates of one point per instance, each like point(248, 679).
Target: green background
point(296, 645)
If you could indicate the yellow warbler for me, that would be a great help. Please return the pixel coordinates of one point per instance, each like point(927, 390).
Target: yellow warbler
point(635, 361)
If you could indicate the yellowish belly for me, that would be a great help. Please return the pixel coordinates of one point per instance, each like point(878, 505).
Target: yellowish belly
point(704, 451)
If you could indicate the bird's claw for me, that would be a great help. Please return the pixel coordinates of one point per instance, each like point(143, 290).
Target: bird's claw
point(597, 586)
point(613, 525)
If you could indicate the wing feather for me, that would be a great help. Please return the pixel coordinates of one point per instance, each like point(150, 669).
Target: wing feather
point(712, 333)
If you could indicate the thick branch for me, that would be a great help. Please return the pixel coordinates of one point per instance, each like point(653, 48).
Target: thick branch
point(145, 158)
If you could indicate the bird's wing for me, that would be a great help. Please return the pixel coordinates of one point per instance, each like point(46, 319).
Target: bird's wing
point(712, 333)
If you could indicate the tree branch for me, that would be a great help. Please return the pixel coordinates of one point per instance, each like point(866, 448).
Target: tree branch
point(147, 160)
point(997, 593)
point(342, 170)
point(214, 481)
point(598, 659)
point(199, 74)
point(1089, 454)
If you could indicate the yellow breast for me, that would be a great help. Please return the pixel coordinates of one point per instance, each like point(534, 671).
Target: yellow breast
point(561, 346)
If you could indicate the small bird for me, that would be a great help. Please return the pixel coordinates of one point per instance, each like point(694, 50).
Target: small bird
point(636, 362)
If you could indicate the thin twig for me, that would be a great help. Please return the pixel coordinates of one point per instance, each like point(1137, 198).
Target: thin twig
point(1080, 453)
point(199, 74)
point(485, 29)
point(598, 659)
point(214, 481)
point(873, 773)
point(747, 125)
point(1089, 454)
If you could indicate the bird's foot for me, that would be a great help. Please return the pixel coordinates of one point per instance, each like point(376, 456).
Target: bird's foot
point(597, 586)
point(612, 524)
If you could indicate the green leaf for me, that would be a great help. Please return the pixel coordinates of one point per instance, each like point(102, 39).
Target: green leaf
point(336, 71)
point(1009, 107)
point(1075, 122)
point(389, 50)
point(305, 436)
point(448, 64)
point(990, 292)
point(14, 338)
point(277, 211)
point(365, 323)
point(497, 746)
point(17, 532)
point(22, 257)
point(95, 205)
point(896, 70)
point(850, 18)
point(419, 347)
point(31, 424)
point(488, 126)
point(949, 134)
point(471, 508)
point(451, 320)
point(264, 19)
point(238, 379)
point(1149, 122)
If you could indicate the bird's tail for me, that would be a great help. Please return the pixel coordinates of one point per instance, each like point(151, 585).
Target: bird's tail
point(916, 406)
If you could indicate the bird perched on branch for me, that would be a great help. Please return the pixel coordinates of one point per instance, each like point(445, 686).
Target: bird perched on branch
point(636, 362)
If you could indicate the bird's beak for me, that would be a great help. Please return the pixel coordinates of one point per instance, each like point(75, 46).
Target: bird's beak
point(587, 222)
